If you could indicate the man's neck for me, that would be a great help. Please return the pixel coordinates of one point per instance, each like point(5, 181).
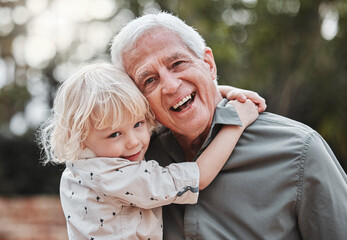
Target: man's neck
point(190, 147)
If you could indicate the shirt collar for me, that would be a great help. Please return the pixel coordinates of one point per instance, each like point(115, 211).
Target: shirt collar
point(225, 114)
point(86, 153)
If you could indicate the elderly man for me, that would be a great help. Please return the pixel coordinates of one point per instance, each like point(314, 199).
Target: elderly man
point(281, 182)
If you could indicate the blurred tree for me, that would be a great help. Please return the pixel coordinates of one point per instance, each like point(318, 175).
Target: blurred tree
point(12, 100)
point(292, 52)
point(20, 170)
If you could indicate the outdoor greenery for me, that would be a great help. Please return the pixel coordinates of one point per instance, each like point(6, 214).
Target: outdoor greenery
point(292, 52)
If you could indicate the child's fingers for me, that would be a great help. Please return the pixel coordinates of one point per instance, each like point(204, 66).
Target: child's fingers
point(242, 95)
point(258, 100)
point(236, 95)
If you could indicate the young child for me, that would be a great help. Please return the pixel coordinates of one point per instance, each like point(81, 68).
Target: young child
point(100, 128)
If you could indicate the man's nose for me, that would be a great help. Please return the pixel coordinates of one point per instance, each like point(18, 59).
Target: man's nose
point(170, 82)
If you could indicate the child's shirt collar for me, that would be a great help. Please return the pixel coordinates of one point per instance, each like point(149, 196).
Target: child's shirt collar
point(86, 153)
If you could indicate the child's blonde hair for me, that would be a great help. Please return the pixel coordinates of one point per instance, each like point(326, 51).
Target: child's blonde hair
point(97, 94)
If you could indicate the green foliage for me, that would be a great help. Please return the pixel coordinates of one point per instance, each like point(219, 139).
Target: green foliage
point(12, 100)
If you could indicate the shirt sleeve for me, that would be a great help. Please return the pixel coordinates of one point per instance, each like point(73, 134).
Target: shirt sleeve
point(148, 185)
point(323, 194)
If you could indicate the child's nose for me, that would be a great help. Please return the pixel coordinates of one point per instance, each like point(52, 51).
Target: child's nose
point(132, 141)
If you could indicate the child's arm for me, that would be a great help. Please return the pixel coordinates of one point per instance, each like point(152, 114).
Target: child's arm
point(233, 93)
point(211, 161)
point(147, 185)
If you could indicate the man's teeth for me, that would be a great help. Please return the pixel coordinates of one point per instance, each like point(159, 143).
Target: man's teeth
point(183, 101)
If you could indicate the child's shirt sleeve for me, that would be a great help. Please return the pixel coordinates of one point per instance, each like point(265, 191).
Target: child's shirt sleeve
point(144, 184)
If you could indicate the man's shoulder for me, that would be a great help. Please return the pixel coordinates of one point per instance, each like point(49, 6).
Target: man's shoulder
point(271, 128)
point(277, 121)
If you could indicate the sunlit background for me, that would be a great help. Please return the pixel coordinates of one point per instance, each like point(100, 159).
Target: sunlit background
point(45, 41)
point(292, 52)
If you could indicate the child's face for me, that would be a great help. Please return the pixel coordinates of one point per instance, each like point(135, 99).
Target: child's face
point(130, 140)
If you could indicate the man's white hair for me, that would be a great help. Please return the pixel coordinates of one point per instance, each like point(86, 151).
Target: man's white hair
point(130, 33)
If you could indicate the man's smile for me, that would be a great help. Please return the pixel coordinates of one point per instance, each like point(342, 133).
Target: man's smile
point(184, 103)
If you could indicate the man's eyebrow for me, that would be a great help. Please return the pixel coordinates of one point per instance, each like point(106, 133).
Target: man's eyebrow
point(143, 75)
point(173, 57)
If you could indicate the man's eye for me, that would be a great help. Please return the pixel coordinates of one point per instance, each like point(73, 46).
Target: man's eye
point(148, 85)
point(176, 64)
point(115, 134)
point(149, 81)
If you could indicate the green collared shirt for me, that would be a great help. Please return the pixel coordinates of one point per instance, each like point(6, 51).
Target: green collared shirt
point(282, 181)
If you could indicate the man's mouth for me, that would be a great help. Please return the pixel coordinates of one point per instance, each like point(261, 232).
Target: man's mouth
point(184, 103)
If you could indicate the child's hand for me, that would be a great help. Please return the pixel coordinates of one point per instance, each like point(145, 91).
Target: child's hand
point(247, 111)
point(241, 95)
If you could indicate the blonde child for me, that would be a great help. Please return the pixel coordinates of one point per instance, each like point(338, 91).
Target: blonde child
point(100, 129)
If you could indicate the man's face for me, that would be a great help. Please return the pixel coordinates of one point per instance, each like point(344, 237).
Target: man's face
point(178, 85)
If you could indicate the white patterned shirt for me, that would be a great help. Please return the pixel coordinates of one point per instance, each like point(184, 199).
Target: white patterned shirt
point(114, 198)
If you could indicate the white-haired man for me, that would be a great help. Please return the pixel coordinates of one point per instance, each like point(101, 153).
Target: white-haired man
point(281, 182)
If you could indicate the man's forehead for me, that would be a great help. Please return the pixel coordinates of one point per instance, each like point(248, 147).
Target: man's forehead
point(164, 48)
point(167, 59)
point(156, 36)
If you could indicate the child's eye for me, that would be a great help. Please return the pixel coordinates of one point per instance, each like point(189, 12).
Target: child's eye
point(115, 134)
point(138, 124)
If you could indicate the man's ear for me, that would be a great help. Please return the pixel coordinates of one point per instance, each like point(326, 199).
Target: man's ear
point(209, 59)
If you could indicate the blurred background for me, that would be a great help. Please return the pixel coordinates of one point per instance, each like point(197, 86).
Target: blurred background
point(292, 52)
